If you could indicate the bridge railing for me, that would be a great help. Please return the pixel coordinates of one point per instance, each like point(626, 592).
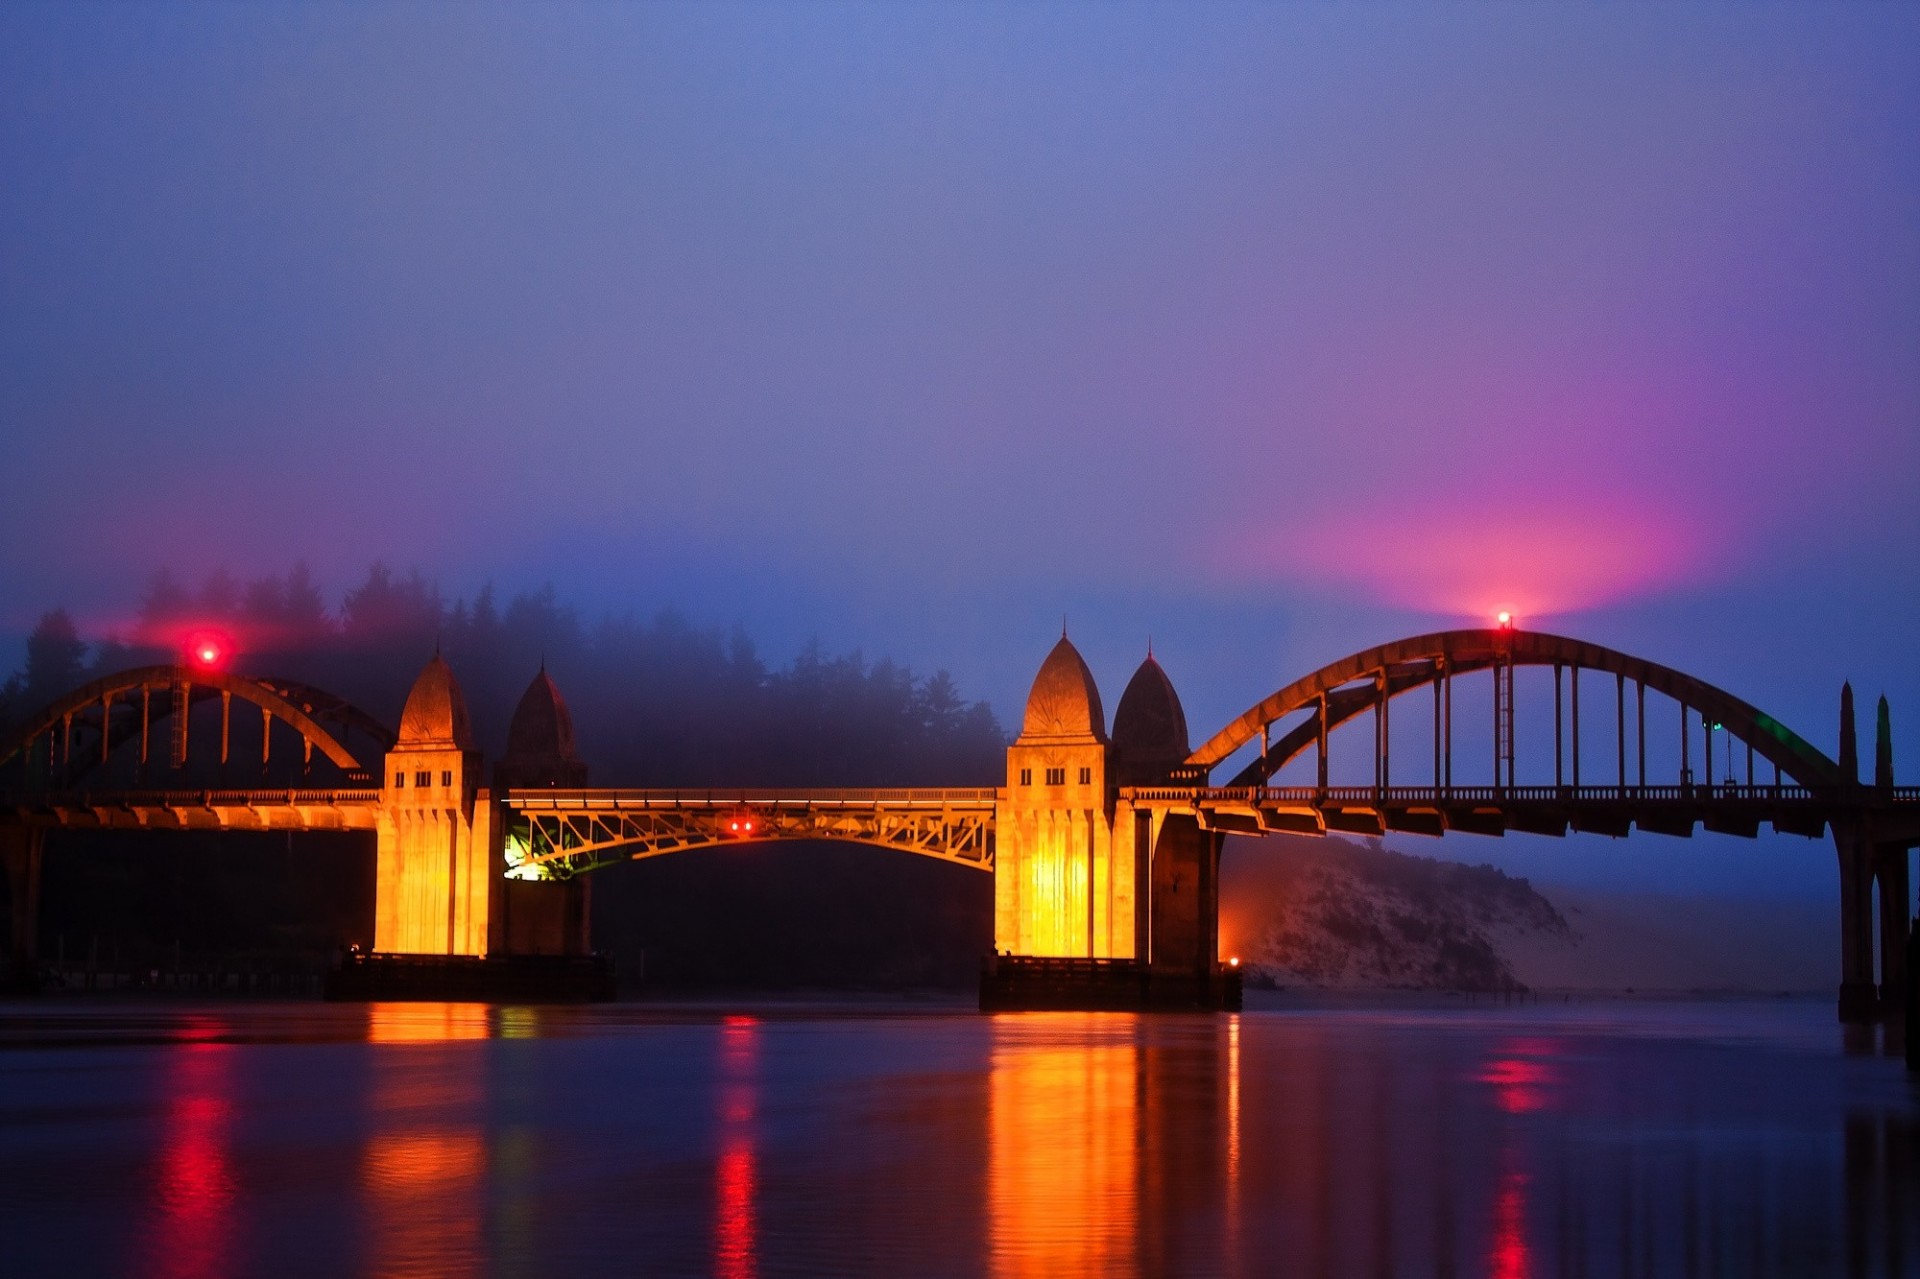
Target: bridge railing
point(545, 799)
point(256, 798)
point(1311, 796)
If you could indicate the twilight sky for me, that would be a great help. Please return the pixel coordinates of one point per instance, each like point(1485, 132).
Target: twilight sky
point(1274, 330)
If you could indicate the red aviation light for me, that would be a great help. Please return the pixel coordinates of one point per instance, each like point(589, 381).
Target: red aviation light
point(208, 650)
point(740, 825)
point(1506, 620)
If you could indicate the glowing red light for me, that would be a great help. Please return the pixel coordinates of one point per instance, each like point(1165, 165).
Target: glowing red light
point(1506, 620)
point(1234, 962)
point(733, 825)
point(207, 649)
point(749, 825)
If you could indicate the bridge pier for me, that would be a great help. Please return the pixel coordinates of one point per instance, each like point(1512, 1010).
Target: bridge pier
point(20, 857)
point(1890, 874)
point(1859, 1000)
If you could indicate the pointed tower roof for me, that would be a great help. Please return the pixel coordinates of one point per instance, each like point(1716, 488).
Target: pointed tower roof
point(436, 711)
point(1064, 701)
point(1150, 723)
point(542, 725)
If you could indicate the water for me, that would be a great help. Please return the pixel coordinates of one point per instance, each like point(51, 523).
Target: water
point(1600, 1139)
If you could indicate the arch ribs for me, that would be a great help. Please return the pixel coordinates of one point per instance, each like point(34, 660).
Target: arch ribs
point(1419, 661)
point(92, 708)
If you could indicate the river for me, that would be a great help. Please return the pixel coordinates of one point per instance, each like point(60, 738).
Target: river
point(1601, 1138)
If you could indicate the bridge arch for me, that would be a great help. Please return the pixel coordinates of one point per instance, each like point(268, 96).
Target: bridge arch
point(83, 728)
point(1342, 690)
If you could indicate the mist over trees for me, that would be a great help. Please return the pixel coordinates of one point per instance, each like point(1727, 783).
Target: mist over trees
point(658, 702)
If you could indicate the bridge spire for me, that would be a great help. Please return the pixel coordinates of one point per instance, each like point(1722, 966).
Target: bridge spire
point(1849, 739)
point(1883, 746)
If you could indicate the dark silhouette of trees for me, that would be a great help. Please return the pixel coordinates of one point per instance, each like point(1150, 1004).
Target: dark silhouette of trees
point(661, 702)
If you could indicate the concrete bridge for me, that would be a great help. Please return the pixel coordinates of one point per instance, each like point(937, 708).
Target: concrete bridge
point(1104, 844)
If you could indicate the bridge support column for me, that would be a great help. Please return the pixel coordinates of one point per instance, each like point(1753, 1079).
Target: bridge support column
point(1858, 997)
point(20, 851)
point(1185, 905)
point(545, 917)
point(1890, 872)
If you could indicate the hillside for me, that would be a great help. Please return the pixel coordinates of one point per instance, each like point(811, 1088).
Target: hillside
point(1337, 913)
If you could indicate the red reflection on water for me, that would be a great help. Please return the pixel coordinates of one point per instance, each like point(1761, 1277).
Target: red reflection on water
point(1523, 1078)
point(194, 1189)
point(735, 1174)
point(1510, 1257)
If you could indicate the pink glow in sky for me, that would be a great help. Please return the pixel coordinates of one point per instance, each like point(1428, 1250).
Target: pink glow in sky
point(1532, 559)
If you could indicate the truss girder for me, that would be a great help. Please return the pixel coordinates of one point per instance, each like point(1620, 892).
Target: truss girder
point(573, 832)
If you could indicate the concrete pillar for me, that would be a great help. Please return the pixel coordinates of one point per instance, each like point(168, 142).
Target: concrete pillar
point(1890, 872)
point(1858, 998)
point(547, 917)
point(20, 852)
point(1185, 906)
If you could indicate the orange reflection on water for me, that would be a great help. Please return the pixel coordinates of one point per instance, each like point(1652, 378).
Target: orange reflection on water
point(194, 1188)
point(1064, 1153)
point(734, 1223)
point(419, 1023)
point(426, 1195)
point(424, 1169)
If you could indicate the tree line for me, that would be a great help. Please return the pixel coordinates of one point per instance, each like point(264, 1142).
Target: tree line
point(659, 702)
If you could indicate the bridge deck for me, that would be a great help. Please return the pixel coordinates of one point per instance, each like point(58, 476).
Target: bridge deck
point(944, 799)
point(329, 809)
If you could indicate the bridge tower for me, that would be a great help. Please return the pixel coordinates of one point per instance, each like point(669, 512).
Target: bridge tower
point(1177, 917)
point(1058, 890)
point(541, 917)
point(438, 849)
point(1127, 890)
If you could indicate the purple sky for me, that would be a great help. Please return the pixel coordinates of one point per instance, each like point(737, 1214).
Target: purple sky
point(1275, 331)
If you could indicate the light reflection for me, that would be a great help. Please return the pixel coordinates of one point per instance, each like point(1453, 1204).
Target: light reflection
point(1524, 1082)
point(423, 1171)
point(735, 1173)
point(1233, 1134)
point(194, 1183)
point(426, 1196)
point(428, 1022)
point(1523, 1079)
point(1064, 1152)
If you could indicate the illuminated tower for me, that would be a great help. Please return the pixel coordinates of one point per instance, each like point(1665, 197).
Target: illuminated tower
point(1055, 890)
point(432, 882)
point(542, 916)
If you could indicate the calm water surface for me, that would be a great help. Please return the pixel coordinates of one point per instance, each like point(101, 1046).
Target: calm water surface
point(415, 1139)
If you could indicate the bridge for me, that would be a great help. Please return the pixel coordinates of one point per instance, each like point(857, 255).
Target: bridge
point(1104, 845)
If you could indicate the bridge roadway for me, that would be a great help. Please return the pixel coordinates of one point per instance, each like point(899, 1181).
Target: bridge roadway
point(956, 824)
point(576, 830)
point(183, 809)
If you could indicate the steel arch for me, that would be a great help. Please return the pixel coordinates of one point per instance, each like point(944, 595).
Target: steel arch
point(1416, 662)
point(102, 691)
